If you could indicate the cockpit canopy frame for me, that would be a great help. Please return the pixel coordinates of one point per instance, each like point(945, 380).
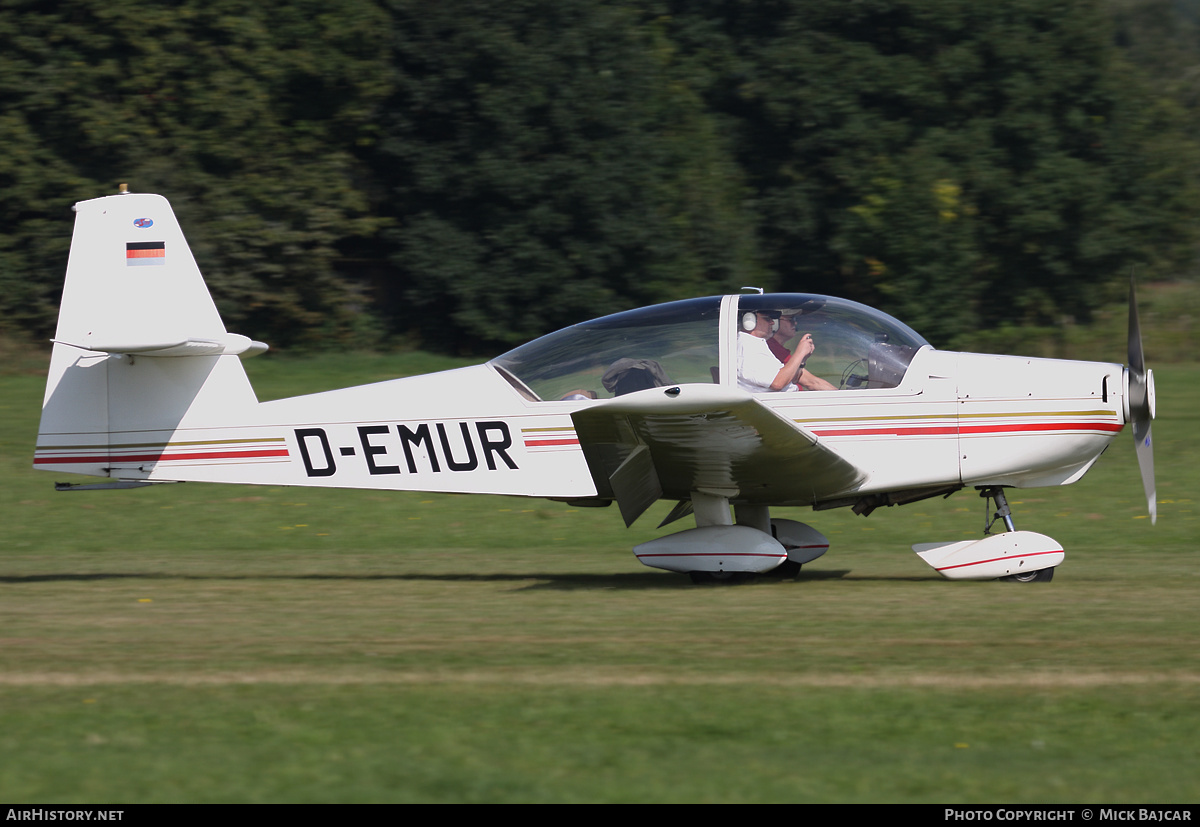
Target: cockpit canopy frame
point(682, 342)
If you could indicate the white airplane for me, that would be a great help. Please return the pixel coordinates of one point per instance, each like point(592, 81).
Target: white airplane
point(146, 386)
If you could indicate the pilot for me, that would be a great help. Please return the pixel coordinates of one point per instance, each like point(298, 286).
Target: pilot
point(777, 343)
point(758, 368)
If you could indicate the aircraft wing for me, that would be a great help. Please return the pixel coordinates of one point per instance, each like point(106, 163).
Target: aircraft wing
point(669, 442)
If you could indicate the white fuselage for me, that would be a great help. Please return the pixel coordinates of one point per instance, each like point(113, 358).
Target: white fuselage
point(957, 418)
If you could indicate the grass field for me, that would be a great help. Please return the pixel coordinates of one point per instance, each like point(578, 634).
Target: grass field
point(202, 643)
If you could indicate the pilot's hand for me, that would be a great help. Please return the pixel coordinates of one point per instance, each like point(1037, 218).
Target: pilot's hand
point(806, 346)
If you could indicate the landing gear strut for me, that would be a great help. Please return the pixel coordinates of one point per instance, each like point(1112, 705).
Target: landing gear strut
point(1003, 512)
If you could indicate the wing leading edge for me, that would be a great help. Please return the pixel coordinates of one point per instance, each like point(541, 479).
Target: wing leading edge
point(668, 442)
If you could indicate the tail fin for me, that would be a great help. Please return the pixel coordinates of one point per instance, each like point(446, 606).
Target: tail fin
point(140, 351)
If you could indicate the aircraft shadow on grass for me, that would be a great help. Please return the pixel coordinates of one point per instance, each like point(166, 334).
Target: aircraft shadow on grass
point(543, 580)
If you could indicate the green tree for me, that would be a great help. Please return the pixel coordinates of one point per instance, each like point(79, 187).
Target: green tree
point(245, 115)
point(547, 163)
point(957, 163)
point(475, 174)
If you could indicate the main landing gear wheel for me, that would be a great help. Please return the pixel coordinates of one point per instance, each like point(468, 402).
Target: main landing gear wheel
point(1040, 576)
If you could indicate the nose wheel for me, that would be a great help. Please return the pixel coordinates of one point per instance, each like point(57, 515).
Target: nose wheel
point(1042, 576)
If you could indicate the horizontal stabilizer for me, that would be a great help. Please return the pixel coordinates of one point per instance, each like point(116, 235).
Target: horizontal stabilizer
point(228, 344)
point(119, 485)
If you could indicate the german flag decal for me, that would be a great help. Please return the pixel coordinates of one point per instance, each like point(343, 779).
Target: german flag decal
point(138, 253)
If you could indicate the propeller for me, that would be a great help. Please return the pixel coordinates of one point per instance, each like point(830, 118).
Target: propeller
point(1141, 405)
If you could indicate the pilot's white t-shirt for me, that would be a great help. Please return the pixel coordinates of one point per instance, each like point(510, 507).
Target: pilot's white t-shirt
point(757, 366)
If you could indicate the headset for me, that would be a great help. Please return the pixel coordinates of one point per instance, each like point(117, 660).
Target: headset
point(750, 321)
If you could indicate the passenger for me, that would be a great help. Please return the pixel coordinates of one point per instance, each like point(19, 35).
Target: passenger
point(758, 368)
point(777, 343)
point(629, 375)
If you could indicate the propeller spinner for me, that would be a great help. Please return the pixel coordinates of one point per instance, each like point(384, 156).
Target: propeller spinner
point(1141, 405)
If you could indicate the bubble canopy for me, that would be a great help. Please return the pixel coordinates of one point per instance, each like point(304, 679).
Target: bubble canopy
point(681, 342)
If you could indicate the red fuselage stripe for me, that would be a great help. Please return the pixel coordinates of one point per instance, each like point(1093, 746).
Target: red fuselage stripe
point(276, 452)
point(944, 430)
